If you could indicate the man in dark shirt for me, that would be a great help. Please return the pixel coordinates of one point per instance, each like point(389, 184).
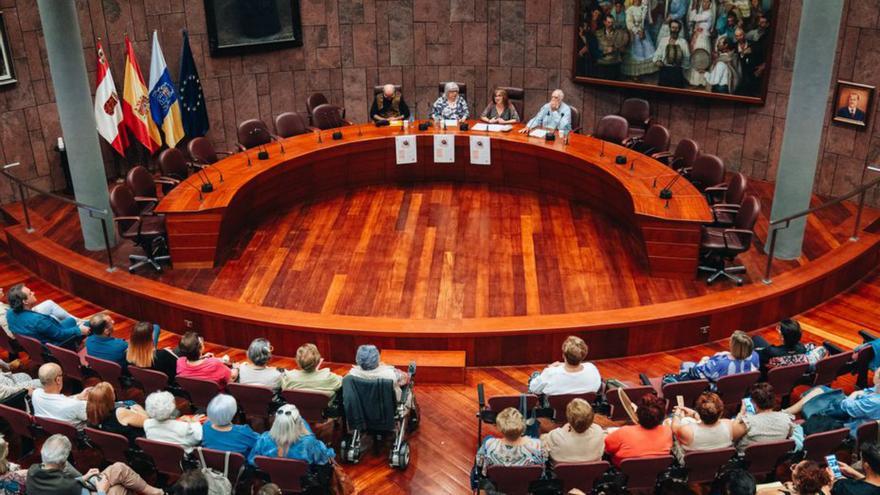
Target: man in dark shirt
point(389, 105)
point(787, 353)
point(751, 62)
point(857, 483)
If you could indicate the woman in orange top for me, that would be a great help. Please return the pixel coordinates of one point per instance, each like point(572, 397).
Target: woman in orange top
point(648, 438)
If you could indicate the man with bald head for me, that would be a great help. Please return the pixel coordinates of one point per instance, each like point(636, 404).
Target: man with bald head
point(553, 115)
point(388, 106)
point(49, 402)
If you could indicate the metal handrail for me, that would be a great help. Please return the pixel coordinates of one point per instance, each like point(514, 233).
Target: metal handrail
point(859, 191)
point(101, 214)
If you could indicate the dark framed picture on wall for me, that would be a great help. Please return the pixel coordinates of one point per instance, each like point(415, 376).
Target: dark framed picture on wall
point(706, 48)
point(7, 71)
point(245, 26)
point(852, 103)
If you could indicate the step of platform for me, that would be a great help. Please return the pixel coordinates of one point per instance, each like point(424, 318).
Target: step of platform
point(432, 366)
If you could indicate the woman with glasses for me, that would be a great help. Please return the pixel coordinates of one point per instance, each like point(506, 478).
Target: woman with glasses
point(451, 105)
point(290, 437)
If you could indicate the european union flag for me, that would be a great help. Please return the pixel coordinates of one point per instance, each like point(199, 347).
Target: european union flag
point(192, 99)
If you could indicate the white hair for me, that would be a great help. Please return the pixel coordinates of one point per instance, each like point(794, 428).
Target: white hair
point(258, 352)
point(561, 94)
point(222, 409)
point(56, 449)
point(160, 406)
point(450, 86)
point(287, 428)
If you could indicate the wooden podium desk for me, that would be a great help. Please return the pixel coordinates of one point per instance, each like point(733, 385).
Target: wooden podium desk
point(200, 230)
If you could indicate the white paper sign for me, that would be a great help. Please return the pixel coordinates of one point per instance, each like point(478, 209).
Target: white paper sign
point(538, 133)
point(406, 149)
point(492, 127)
point(481, 150)
point(444, 148)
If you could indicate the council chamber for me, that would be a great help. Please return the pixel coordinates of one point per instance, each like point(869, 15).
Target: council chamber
point(394, 247)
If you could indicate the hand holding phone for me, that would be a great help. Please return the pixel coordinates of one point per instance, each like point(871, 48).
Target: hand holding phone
point(834, 466)
point(748, 406)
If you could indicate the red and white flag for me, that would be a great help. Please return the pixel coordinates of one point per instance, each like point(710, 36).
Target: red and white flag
point(108, 107)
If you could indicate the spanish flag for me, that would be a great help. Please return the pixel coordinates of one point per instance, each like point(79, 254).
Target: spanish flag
point(163, 97)
point(136, 104)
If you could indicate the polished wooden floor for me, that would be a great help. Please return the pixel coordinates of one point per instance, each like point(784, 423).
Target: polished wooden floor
point(444, 446)
point(446, 251)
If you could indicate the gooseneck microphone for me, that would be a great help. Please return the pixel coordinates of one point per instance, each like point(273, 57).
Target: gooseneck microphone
point(205, 165)
point(263, 153)
point(198, 190)
point(551, 136)
point(277, 140)
point(205, 180)
point(666, 192)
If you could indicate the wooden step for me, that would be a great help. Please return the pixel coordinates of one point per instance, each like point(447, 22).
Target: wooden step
point(432, 366)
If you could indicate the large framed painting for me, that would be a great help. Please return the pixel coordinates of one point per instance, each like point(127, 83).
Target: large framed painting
point(245, 26)
point(7, 71)
point(707, 48)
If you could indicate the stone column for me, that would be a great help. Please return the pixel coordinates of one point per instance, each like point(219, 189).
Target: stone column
point(810, 83)
point(74, 100)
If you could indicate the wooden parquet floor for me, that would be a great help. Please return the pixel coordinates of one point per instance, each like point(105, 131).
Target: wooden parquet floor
point(444, 446)
point(446, 250)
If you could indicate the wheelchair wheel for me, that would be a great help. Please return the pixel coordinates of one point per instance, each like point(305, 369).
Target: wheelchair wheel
point(349, 452)
point(412, 423)
point(399, 459)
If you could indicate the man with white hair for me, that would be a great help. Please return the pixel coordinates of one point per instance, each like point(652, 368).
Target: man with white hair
point(49, 402)
point(389, 105)
point(56, 476)
point(553, 115)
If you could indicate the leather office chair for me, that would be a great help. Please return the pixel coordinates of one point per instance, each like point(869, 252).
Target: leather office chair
point(637, 113)
point(612, 128)
point(143, 185)
point(686, 152)
point(146, 231)
point(462, 88)
point(656, 140)
point(290, 124)
point(719, 244)
point(173, 164)
point(576, 127)
point(313, 101)
point(252, 133)
point(733, 194)
point(202, 151)
point(517, 97)
point(708, 171)
point(328, 116)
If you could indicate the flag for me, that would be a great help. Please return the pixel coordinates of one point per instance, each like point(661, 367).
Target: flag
point(192, 99)
point(163, 97)
point(136, 104)
point(108, 111)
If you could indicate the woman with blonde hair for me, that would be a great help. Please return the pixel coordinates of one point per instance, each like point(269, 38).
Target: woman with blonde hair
point(291, 438)
point(579, 440)
point(104, 413)
point(501, 110)
point(143, 353)
point(310, 375)
point(701, 428)
point(512, 448)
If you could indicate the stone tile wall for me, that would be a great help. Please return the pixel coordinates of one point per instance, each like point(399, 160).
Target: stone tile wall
point(352, 45)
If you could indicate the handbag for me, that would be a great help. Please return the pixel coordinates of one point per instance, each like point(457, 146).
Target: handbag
point(340, 482)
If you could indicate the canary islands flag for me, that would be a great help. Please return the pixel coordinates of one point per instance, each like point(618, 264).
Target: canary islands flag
point(164, 106)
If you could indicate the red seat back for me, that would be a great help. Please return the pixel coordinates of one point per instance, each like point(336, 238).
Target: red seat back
point(286, 473)
point(166, 456)
point(150, 380)
point(580, 475)
point(502, 402)
point(784, 378)
point(254, 400)
point(867, 433)
point(513, 480)
point(641, 472)
point(114, 447)
point(201, 150)
point(216, 460)
point(689, 390)
point(762, 457)
point(560, 402)
point(634, 394)
point(732, 388)
point(19, 421)
point(109, 371)
point(818, 445)
point(54, 426)
point(828, 368)
point(200, 391)
point(70, 362)
point(704, 464)
point(6, 343)
point(311, 405)
point(33, 348)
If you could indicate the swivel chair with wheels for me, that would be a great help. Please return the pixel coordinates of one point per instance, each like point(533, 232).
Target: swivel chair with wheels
point(733, 194)
point(686, 152)
point(707, 172)
point(146, 231)
point(612, 128)
point(253, 133)
point(720, 244)
point(328, 116)
point(202, 151)
point(289, 124)
point(655, 140)
point(143, 185)
point(637, 113)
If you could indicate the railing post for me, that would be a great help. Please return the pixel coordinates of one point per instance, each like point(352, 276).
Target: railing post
point(27, 217)
point(856, 227)
point(110, 266)
point(767, 280)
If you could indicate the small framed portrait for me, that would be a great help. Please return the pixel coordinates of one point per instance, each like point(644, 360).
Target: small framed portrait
point(236, 27)
point(852, 103)
point(7, 71)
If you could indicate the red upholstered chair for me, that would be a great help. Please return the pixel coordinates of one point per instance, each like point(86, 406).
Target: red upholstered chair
point(762, 457)
point(167, 457)
point(818, 445)
point(732, 195)
point(328, 116)
point(200, 391)
point(252, 133)
point(9, 345)
point(142, 229)
point(642, 472)
point(785, 378)
point(655, 140)
point(34, 349)
point(560, 402)
point(71, 363)
point(462, 88)
point(611, 128)
point(114, 447)
point(686, 152)
point(517, 97)
point(637, 113)
point(286, 473)
point(863, 358)
point(254, 400)
point(290, 124)
point(513, 480)
point(109, 372)
point(866, 433)
point(708, 171)
point(829, 368)
point(20, 422)
point(580, 475)
point(732, 388)
point(202, 151)
point(720, 244)
point(689, 390)
point(499, 403)
point(314, 101)
point(703, 465)
point(311, 405)
point(216, 460)
point(634, 394)
point(54, 426)
point(150, 380)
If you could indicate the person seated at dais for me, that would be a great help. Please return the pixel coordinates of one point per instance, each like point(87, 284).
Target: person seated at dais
point(450, 105)
point(553, 115)
point(501, 110)
point(572, 376)
point(389, 105)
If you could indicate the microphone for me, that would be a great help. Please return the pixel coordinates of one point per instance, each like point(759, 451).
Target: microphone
point(279, 141)
point(206, 182)
point(602, 149)
point(551, 136)
point(198, 190)
point(666, 192)
point(246, 154)
point(263, 154)
point(204, 165)
point(319, 136)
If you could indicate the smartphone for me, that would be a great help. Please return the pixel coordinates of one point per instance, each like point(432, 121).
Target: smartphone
point(679, 400)
point(750, 407)
point(835, 467)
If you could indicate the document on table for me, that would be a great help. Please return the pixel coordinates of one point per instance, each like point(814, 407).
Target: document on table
point(493, 127)
point(451, 123)
point(406, 149)
point(444, 148)
point(538, 133)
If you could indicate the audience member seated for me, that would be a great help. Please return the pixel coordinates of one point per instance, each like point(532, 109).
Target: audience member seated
point(290, 437)
point(368, 366)
point(269, 489)
point(47, 322)
point(104, 413)
point(553, 115)
point(163, 424)
point(741, 358)
point(571, 376)
point(734, 482)
point(13, 383)
point(142, 351)
point(579, 440)
point(648, 438)
point(256, 372)
point(12, 476)
point(220, 434)
point(193, 363)
point(702, 427)
point(56, 476)
point(389, 105)
point(791, 351)
point(102, 344)
point(50, 403)
point(3, 309)
point(310, 376)
point(191, 482)
point(858, 483)
point(450, 105)
point(766, 424)
point(501, 110)
point(511, 449)
point(807, 478)
point(826, 408)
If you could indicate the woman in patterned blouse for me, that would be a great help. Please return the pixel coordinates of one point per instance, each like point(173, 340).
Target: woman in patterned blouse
point(512, 449)
point(450, 106)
